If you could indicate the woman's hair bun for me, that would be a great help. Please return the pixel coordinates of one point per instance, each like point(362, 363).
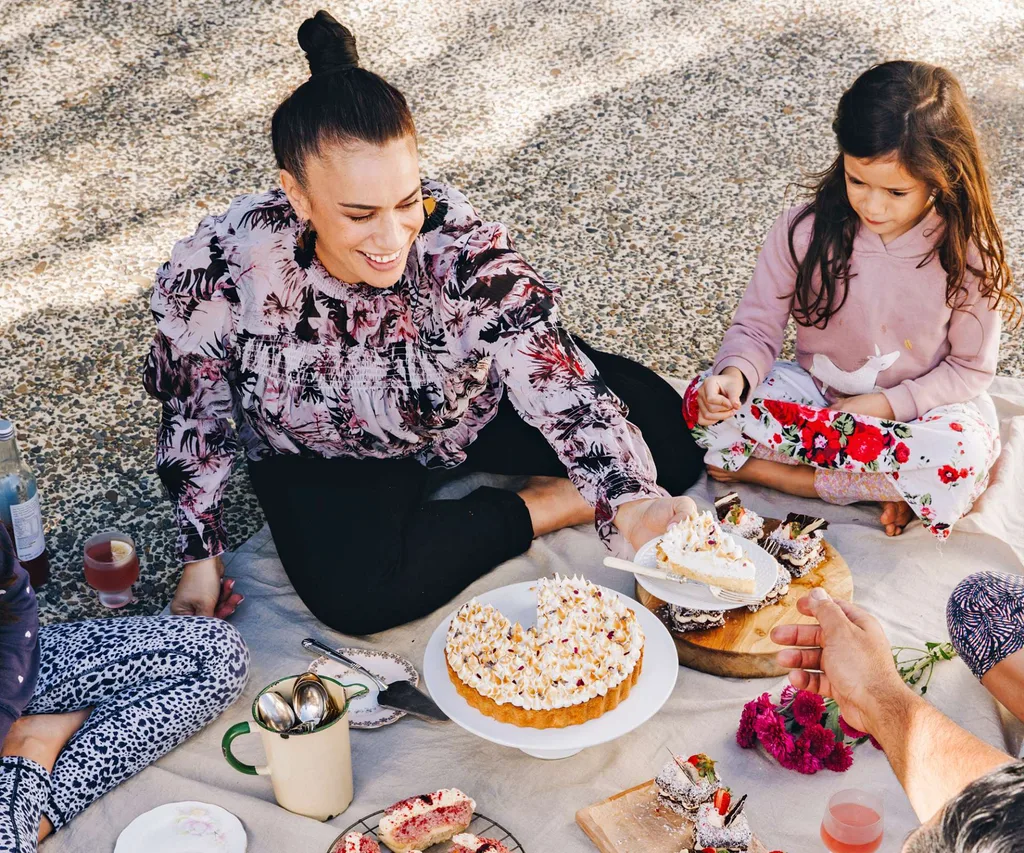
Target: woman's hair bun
point(329, 46)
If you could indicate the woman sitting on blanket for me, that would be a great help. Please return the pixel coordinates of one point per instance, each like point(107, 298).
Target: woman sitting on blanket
point(361, 325)
point(85, 706)
point(895, 274)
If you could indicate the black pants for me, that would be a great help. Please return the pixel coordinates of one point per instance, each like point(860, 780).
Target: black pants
point(365, 549)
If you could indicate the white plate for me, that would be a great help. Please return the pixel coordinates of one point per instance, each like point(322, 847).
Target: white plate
point(187, 827)
point(518, 603)
point(364, 712)
point(698, 595)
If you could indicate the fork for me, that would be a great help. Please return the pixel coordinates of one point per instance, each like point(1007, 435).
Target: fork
point(719, 593)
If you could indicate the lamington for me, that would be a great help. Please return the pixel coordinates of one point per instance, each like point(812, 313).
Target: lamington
point(776, 593)
point(712, 832)
point(467, 843)
point(801, 547)
point(685, 784)
point(737, 519)
point(682, 620)
point(419, 822)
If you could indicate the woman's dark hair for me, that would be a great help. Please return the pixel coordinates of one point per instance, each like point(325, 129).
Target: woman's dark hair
point(340, 103)
point(986, 817)
point(917, 113)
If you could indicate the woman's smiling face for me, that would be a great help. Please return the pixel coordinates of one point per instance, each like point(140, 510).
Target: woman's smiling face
point(365, 204)
point(887, 198)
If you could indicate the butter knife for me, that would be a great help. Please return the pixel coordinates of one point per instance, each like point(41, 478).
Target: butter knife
point(400, 695)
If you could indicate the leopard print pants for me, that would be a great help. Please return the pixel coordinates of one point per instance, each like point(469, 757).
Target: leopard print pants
point(152, 683)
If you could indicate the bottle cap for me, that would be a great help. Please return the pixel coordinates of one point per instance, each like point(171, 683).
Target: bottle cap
point(6, 430)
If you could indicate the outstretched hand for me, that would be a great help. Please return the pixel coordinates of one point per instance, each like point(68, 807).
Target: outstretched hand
point(846, 656)
point(720, 396)
point(640, 521)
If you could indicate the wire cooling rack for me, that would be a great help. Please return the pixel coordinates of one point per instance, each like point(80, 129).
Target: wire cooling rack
point(482, 827)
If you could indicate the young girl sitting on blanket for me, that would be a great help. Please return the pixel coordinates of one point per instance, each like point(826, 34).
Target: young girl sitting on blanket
point(896, 277)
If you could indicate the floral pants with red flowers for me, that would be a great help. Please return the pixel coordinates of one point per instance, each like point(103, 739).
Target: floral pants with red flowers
point(939, 464)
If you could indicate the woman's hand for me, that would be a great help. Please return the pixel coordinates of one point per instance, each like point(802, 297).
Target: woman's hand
point(640, 521)
point(719, 397)
point(873, 405)
point(203, 591)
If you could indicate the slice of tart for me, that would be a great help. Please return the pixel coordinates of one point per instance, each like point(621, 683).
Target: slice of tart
point(737, 519)
point(697, 548)
point(419, 822)
point(466, 843)
point(356, 842)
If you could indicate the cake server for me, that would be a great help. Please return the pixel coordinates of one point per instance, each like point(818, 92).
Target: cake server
point(400, 695)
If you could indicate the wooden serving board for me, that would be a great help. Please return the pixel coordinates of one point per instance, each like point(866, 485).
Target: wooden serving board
point(635, 821)
point(742, 647)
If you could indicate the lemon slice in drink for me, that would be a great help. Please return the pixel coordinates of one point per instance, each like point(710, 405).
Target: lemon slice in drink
point(120, 552)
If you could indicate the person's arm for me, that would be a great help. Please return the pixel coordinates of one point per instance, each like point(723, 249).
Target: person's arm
point(965, 373)
point(19, 640)
point(187, 371)
point(848, 657)
point(754, 339)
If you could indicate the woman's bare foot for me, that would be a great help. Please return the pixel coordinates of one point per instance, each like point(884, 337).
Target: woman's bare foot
point(554, 503)
point(40, 738)
point(795, 480)
point(895, 516)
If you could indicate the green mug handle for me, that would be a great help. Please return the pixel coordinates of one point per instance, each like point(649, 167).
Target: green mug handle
point(235, 731)
point(358, 690)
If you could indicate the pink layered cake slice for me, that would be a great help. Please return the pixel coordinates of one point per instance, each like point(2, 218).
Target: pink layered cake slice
point(356, 842)
point(428, 819)
point(466, 843)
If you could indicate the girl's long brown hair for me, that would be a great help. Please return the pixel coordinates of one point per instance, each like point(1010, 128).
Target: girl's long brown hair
point(917, 112)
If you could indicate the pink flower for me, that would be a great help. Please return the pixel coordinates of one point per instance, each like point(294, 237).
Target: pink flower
point(818, 740)
point(788, 692)
point(807, 763)
point(764, 704)
point(840, 760)
point(746, 736)
point(771, 729)
point(808, 707)
point(854, 734)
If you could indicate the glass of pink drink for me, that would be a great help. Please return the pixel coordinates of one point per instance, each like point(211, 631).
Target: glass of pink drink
point(111, 567)
point(854, 822)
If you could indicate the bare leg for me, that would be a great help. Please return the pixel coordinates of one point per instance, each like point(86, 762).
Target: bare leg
point(792, 479)
point(554, 503)
point(40, 738)
point(1005, 681)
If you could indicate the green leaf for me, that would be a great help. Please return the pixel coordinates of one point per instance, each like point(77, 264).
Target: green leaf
point(902, 431)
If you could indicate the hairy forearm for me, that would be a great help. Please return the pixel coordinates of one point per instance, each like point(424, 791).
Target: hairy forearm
point(933, 757)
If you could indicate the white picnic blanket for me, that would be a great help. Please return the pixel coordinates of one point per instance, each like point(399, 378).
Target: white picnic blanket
point(905, 582)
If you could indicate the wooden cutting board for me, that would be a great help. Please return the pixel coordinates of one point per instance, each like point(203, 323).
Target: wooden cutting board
point(742, 647)
point(635, 821)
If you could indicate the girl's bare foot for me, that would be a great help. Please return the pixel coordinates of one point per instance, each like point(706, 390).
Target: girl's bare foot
point(554, 503)
point(40, 738)
point(895, 516)
point(795, 480)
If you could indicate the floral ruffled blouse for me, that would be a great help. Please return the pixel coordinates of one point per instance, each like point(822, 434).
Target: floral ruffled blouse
point(253, 331)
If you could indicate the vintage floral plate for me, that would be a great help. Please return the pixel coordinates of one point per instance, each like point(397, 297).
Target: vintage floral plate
point(187, 827)
point(364, 712)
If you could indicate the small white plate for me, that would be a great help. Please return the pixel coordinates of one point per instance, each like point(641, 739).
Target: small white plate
point(364, 712)
point(187, 827)
point(518, 603)
point(698, 595)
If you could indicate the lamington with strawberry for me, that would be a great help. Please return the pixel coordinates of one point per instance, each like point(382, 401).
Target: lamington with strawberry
point(686, 784)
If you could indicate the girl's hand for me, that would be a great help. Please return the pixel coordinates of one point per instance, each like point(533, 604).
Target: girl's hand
point(719, 397)
point(640, 521)
point(202, 591)
point(872, 405)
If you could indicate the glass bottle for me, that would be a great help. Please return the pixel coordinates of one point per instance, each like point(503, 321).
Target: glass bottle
point(19, 508)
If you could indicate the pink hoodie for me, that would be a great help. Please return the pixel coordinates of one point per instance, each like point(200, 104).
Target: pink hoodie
point(939, 356)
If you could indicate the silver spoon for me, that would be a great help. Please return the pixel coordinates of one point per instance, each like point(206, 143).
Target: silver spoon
point(311, 701)
point(275, 712)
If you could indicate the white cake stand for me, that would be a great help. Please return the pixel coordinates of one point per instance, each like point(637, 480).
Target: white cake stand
point(519, 604)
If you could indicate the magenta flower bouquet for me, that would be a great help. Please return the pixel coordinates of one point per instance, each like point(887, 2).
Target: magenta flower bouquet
point(805, 732)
